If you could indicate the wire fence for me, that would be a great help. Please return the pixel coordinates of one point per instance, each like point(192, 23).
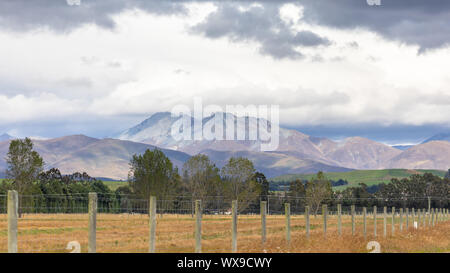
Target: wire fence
point(48, 223)
point(3, 224)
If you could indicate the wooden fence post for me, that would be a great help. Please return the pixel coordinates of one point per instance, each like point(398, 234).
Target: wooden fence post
point(152, 223)
point(13, 211)
point(437, 215)
point(198, 226)
point(324, 213)
point(432, 217)
point(307, 221)
point(419, 212)
point(375, 221)
point(401, 219)
point(353, 219)
point(365, 221)
point(92, 243)
point(263, 221)
point(339, 208)
point(393, 221)
point(424, 218)
point(407, 218)
point(234, 206)
point(385, 221)
point(287, 211)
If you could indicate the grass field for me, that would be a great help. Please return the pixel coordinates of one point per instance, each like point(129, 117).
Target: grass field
point(113, 185)
point(129, 233)
point(369, 177)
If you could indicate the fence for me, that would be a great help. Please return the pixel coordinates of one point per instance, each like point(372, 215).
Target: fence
point(106, 223)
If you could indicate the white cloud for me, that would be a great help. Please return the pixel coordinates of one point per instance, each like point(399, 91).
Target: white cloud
point(130, 70)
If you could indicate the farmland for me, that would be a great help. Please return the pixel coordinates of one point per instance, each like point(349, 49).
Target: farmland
point(114, 185)
point(368, 177)
point(174, 233)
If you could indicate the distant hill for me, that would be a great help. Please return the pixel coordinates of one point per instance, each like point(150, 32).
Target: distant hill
point(296, 153)
point(97, 157)
point(362, 153)
point(351, 153)
point(5, 137)
point(431, 155)
point(369, 177)
point(273, 164)
point(439, 137)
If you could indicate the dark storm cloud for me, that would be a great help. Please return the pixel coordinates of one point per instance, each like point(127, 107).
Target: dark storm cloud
point(417, 22)
point(421, 22)
point(260, 24)
point(58, 15)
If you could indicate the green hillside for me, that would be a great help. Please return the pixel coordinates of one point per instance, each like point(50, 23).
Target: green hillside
point(369, 177)
point(113, 185)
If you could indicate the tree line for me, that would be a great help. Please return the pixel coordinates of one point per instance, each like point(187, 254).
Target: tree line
point(417, 191)
point(153, 173)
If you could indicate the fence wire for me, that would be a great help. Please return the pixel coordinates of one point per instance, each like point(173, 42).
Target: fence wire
point(3, 224)
point(47, 223)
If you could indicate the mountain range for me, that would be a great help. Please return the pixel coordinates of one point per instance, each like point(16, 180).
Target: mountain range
point(98, 157)
point(296, 153)
point(5, 137)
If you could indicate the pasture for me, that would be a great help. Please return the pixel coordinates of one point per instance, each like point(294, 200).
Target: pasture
point(175, 233)
point(368, 177)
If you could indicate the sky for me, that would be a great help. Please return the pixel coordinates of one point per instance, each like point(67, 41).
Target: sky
point(335, 68)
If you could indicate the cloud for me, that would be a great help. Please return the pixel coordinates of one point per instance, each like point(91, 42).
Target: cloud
point(258, 23)
point(98, 82)
point(418, 22)
point(57, 15)
point(414, 22)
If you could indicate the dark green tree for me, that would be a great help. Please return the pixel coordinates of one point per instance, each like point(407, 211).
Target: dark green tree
point(23, 164)
point(152, 173)
point(261, 179)
point(238, 176)
point(201, 177)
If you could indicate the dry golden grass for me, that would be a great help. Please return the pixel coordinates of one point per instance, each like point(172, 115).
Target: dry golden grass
point(129, 233)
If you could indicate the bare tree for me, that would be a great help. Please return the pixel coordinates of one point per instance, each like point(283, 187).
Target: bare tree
point(24, 166)
point(318, 189)
point(240, 184)
point(201, 178)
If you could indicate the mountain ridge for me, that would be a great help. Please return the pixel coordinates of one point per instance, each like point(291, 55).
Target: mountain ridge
point(296, 153)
